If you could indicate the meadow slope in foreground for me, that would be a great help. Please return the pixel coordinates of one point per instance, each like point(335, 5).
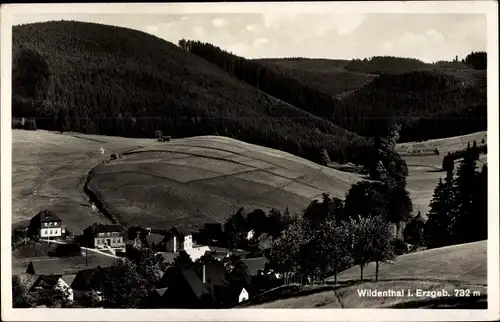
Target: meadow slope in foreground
point(449, 268)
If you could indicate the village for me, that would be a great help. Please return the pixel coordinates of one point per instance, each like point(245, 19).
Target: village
point(224, 277)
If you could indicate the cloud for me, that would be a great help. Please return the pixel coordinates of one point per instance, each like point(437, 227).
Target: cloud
point(276, 20)
point(219, 22)
point(251, 28)
point(260, 42)
point(346, 24)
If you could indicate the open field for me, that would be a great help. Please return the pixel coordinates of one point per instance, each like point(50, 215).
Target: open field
point(207, 179)
point(448, 268)
point(424, 171)
point(49, 170)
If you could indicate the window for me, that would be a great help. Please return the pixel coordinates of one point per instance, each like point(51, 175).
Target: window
point(45, 224)
point(50, 224)
point(50, 231)
point(98, 241)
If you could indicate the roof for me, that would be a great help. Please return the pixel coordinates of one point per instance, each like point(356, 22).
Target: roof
point(69, 278)
point(46, 216)
point(168, 257)
point(26, 281)
point(82, 279)
point(255, 264)
point(66, 266)
point(154, 238)
point(102, 228)
point(194, 282)
point(50, 280)
point(215, 274)
point(161, 291)
point(178, 231)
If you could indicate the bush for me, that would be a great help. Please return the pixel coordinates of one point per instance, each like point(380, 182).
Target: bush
point(24, 123)
point(114, 156)
point(399, 246)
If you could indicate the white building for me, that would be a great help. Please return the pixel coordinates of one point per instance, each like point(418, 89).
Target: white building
point(243, 295)
point(178, 240)
point(250, 234)
point(47, 225)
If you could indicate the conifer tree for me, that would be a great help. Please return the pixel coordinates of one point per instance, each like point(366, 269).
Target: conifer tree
point(438, 227)
point(465, 185)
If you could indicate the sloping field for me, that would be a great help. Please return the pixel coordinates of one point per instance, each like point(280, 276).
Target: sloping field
point(424, 170)
point(448, 268)
point(49, 170)
point(207, 179)
point(175, 178)
point(465, 264)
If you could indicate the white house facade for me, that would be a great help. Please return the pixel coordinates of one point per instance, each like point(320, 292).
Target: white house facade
point(47, 225)
point(178, 241)
point(243, 296)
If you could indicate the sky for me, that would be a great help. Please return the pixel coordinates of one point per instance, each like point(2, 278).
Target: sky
point(428, 37)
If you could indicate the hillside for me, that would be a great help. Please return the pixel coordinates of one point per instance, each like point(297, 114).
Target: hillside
point(93, 78)
point(431, 270)
point(425, 168)
point(167, 182)
point(328, 76)
point(431, 101)
point(203, 179)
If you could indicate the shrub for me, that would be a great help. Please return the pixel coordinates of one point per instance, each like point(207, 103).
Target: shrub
point(114, 156)
point(399, 246)
point(325, 158)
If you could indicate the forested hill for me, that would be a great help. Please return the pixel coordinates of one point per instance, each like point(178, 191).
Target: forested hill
point(430, 100)
point(94, 78)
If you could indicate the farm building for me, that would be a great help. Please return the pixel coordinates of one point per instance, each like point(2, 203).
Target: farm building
point(47, 225)
point(53, 281)
point(104, 236)
point(178, 239)
point(82, 282)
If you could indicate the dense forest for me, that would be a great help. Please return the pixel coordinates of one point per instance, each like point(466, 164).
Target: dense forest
point(429, 101)
point(328, 76)
point(92, 78)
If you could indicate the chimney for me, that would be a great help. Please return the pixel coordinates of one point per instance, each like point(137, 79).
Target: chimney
point(204, 275)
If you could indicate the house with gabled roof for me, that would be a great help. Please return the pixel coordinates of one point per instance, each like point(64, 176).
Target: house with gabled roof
point(187, 290)
point(255, 266)
point(47, 225)
point(178, 239)
point(82, 282)
point(103, 236)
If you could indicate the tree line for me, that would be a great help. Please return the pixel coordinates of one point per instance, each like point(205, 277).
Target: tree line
point(448, 163)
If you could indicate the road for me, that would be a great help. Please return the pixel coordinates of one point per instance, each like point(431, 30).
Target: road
point(84, 248)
